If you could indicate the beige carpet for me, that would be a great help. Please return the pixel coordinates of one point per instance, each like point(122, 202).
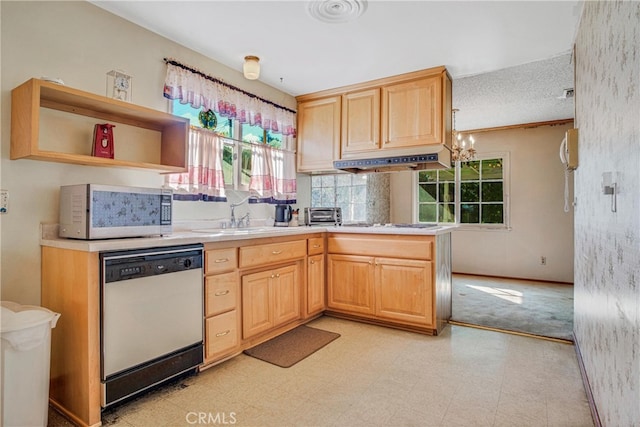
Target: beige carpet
point(527, 306)
point(291, 347)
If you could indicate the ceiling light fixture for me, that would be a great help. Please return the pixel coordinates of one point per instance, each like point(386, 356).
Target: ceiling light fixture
point(336, 11)
point(459, 150)
point(251, 67)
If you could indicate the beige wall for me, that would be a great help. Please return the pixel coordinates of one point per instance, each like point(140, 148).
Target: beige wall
point(538, 224)
point(79, 43)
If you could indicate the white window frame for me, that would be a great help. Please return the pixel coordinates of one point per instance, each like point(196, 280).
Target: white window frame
point(506, 194)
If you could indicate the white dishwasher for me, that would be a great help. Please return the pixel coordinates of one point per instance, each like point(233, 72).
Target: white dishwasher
point(151, 318)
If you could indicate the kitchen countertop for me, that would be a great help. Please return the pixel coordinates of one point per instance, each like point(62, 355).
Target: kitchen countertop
point(49, 233)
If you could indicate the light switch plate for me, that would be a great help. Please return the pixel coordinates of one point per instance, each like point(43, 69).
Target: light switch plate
point(4, 201)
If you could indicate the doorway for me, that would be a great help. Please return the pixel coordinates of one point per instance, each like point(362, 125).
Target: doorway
point(530, 307)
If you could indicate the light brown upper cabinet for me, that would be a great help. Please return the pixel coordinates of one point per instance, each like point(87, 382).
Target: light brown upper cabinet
point(406, 114)
point(318, 134)
point(412, 113)
point(360, 122)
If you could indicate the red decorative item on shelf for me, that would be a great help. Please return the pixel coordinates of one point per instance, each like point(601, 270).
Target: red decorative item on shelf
point(103, 140)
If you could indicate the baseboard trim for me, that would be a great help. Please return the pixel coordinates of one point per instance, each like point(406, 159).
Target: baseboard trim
point(587, 385)
point(522, 334)
point(524, 279)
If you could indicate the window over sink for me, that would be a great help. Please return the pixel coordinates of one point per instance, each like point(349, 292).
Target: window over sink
point(237, 149)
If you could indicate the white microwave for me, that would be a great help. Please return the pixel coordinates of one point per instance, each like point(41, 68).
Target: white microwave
point(93, 211)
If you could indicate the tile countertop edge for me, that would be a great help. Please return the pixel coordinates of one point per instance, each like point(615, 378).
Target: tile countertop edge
point(49, 237)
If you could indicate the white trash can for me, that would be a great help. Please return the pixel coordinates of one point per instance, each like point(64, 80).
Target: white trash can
point(26, 357)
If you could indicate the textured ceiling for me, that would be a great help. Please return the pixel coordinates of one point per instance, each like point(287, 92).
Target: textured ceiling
point(496, 51)
point(523, 94)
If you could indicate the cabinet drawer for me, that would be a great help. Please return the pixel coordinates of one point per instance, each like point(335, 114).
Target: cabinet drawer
point(315, 246)
point(409, 247)
point(221, 293)
point(272, 253)
point(221, 334)
point(220, 260)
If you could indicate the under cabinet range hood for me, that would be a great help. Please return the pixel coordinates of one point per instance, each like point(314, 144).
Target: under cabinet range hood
point(440, 160)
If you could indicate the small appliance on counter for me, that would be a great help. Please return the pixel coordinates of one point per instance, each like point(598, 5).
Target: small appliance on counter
point(93, 211)
point(284, 213)
point(323, 216)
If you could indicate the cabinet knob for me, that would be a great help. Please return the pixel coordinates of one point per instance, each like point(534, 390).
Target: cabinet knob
point(276, 252)
point(312, 262)
point(278, 275)
point(221, 334)
point(316, 246)
point(273, 275)
point(218, 261)
point(221, 293)
point(370, 262)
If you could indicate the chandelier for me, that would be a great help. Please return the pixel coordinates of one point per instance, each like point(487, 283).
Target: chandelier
point(459, 150)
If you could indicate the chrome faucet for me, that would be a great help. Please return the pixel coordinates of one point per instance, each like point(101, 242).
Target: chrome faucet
point(244, 221)
point(233, 223)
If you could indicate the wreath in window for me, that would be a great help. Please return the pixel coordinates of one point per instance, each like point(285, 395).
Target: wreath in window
point(208, 119)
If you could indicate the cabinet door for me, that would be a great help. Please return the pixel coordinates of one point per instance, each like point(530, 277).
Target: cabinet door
point(350, 283)
point(315, 284)
point(256, 303)
point(318, 134)
point(412, 113)
point(286, 294)
point(360, 122)
point(404, 290)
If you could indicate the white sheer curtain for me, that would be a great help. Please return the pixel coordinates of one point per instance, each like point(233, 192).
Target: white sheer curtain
point(204, 179)
point(273, 175)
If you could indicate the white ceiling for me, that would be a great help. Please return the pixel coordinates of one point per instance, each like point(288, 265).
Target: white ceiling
point(529, 42)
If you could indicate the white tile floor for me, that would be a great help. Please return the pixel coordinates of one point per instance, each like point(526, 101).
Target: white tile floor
point(374, 376)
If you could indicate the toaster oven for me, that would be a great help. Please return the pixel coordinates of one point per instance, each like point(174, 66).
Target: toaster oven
point(323, 216)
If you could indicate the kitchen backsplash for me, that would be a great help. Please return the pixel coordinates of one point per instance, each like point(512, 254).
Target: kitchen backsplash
point(362, 197)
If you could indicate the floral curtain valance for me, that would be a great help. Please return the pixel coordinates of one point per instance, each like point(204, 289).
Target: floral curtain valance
point(201, 91)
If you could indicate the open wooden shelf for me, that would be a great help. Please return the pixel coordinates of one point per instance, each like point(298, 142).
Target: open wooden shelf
point(28, 99)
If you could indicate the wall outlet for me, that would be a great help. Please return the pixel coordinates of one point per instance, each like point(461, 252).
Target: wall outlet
point(543, 260)
point(4, 201)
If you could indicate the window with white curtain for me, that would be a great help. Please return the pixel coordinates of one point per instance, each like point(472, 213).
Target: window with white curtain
point(238, 155)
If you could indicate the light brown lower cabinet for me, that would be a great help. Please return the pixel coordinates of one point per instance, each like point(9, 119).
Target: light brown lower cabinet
point(222, 334)
point(350, 283)
point(222, 301)
point(269, 299)
point(403, 290)
point(315, 285)
point(392, 280)
point(388, 288)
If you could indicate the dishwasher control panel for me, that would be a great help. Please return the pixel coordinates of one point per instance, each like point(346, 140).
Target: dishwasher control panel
point(134, 264)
